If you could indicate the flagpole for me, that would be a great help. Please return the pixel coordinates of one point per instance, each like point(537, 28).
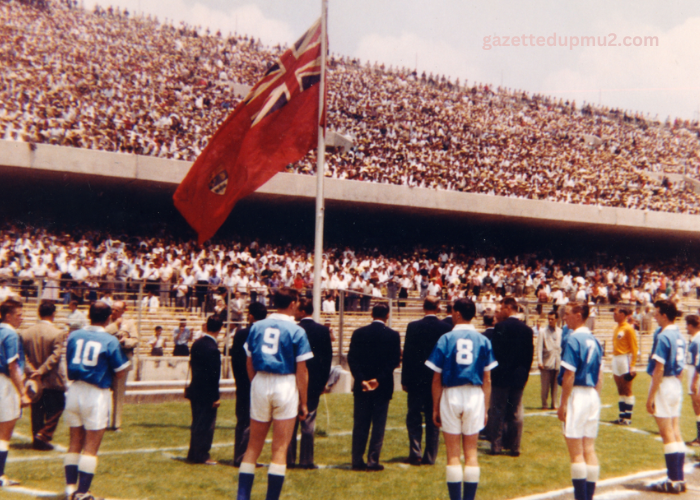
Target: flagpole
point(320, 164)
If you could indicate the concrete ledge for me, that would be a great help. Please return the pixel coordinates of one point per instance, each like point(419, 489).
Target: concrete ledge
point(167, 174)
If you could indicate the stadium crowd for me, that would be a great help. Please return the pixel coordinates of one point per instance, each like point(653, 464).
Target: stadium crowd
point(85, 266)
point(113, 81)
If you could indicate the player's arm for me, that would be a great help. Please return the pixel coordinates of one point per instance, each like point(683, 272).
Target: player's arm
point(567, 385)
point(486, 387)
point(302, 385)
point(694, 384)
point(634, 347)
point(599, 384)
point(437, 394)
point(249, 368)
point(656, 378)
point(16, 377)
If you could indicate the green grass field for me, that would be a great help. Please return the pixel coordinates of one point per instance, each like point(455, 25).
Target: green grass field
point(139, 462)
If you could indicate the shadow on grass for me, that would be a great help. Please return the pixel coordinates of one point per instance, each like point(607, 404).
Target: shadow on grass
point(396, 460)
point(21, 446)
point(178, 426)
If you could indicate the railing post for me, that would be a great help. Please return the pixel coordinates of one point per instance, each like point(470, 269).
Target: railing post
point(137, 354)
point(39, 289)
point(341, 311)
point(391, 313)
point(227, 359)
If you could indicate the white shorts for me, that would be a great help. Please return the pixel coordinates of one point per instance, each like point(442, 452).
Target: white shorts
point(582, 413)
point(9, 400)
point(668, 398)
point(87, 406)
point(273, 397)
point(462, 409)
point(621, 364)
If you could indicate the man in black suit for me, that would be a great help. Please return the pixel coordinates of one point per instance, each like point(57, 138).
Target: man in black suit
point(256, 312)
point(416, 380)
point(319, 368)
point(513, 349)
point(375, 351)
point(203, 392)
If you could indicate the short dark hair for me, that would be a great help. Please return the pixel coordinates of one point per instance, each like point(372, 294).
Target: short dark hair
point(257, 310)
point(214, 323)
point(579, 308)
point(624, 310)
point(465, 308)
point(99, 312)
point(431, 303)
point(46, 308)
point(306, 306)
point(9, 307)
point(667, 308)
point(285, 296)
point(552, 313)
point(693, 320)
point(511, 303)
point(380, 311)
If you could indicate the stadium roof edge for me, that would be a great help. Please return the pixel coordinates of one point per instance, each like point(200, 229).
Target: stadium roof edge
point(30, 159)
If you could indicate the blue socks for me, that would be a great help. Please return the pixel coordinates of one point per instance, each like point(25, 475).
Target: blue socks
point(4, 450)
point(275, 481)
point(246, 475)
point(86, 469)
point(454, 477)
point(471, 482)
point(579, 475)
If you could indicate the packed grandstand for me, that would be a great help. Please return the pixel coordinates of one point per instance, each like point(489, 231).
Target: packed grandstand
point(109, 80)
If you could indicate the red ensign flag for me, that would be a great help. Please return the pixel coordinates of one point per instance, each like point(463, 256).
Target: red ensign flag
point(275, 125)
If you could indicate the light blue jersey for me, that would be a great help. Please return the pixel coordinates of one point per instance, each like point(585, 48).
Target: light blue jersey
point(583, 356)
point(669, 349)
point(276, 344)
point(693, 358)
point(10, 349)
point(94, 356)
point(565, 332)
point(462, 356)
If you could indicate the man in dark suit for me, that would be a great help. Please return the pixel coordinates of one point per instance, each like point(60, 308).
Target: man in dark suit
point(256, 312)
point(203, 392)
point(375, 351)
point(319, 368)
point(513, 349)
point(416, 380)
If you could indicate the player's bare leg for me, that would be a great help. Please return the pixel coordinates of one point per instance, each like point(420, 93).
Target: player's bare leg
point(626, 403)
point(454, 472)
point(6, 429)
point(695, 398)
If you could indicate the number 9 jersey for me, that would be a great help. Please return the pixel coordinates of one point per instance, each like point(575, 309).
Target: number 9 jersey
point(462, 356)
point(93, 356)
point(276, 344)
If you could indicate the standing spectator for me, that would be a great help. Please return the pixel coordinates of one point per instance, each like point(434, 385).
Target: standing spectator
point(580, 400)
point(513, 349)
point(181, 336)
point(623, 363)
point(203, 392)
point(157, 343)
point(461, 387)
point(13, 396)
point(665, 398)
point(692, 322)
point(375, 351)
point(256, 312)
point(319, 368)
point(416, 380)
point(75, 319)
point(127, 334)
point(43, 344)
point(277, 350)
point(548, 359)
point(94, 358)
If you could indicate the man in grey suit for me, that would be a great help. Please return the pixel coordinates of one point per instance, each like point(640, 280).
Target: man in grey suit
point(416, 380)
point(43, 344)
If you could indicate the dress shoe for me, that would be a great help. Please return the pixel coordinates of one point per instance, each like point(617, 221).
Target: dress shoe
point(375, 468)
point(412, 461)
point(514, 453)
point(359, 467)
point(293, 466)
point(40, 445)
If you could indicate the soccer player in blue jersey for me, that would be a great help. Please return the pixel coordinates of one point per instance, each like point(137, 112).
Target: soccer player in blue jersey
point(277, 350)
point(666, 393)
point(462, 361)
point(12, 394)
point(581, 363)
point(692, 322)
point(94, 359)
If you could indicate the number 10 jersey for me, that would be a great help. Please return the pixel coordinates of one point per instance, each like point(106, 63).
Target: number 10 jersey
point(93, 356)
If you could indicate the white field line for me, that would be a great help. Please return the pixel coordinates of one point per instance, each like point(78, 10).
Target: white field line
point(36, 493)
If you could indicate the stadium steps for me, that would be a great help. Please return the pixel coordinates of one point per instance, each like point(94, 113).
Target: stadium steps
point(169, 390)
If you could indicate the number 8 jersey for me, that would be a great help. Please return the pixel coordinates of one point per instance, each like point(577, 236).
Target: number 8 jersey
point(462, 356)
point(93, 356)
point(276, 344)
